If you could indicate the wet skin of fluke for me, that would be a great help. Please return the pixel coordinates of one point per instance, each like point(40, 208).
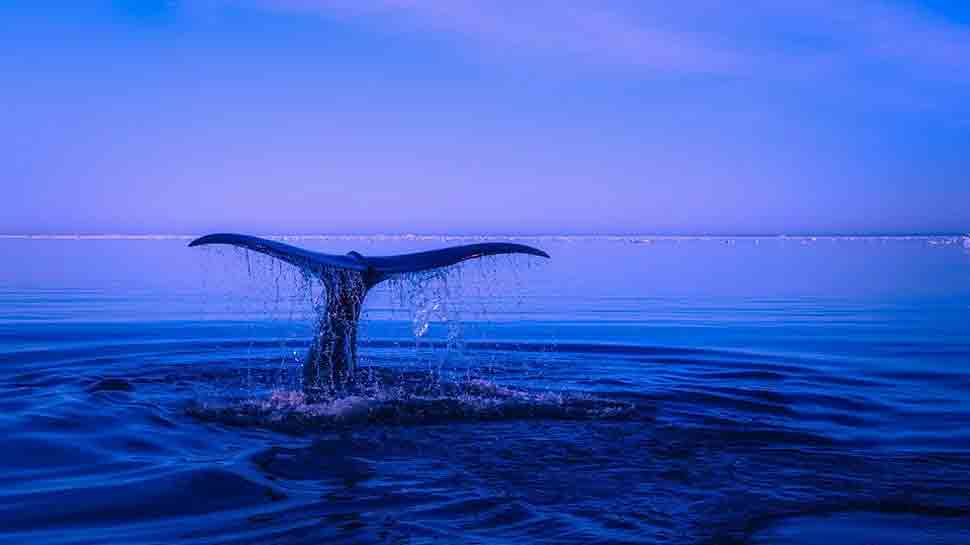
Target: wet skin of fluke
point(149, 400)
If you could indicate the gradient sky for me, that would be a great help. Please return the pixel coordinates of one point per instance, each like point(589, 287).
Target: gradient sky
point(498, 116)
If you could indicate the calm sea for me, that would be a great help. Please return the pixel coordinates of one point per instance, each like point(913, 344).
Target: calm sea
point(629, 390)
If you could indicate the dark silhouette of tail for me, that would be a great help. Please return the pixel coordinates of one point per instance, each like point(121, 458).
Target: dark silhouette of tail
point(332, 358)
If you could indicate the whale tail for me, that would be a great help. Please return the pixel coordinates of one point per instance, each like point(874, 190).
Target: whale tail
point(332, 357)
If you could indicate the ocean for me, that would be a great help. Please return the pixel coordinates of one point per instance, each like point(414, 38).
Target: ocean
point(631, 389)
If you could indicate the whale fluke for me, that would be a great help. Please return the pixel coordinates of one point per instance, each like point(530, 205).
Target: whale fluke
point(348, 278)
point(376, 266)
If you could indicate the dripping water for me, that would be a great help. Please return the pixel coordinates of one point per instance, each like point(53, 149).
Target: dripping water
point(428, 371)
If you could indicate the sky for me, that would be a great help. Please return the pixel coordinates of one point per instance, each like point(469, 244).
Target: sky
point(485, 117)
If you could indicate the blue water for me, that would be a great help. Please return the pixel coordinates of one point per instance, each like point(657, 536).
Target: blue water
point(626, 391)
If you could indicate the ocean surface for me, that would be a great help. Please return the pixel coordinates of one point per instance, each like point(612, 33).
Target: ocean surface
point(629, 390)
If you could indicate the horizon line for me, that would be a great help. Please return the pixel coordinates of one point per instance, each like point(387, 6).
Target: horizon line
point(454, 236)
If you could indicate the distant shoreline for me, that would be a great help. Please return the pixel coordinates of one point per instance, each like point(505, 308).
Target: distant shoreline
point(549, 237)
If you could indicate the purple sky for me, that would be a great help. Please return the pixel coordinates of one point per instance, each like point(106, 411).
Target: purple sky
point(369, 116)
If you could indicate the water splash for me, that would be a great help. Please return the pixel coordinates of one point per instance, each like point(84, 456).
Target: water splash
point(411, 403)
